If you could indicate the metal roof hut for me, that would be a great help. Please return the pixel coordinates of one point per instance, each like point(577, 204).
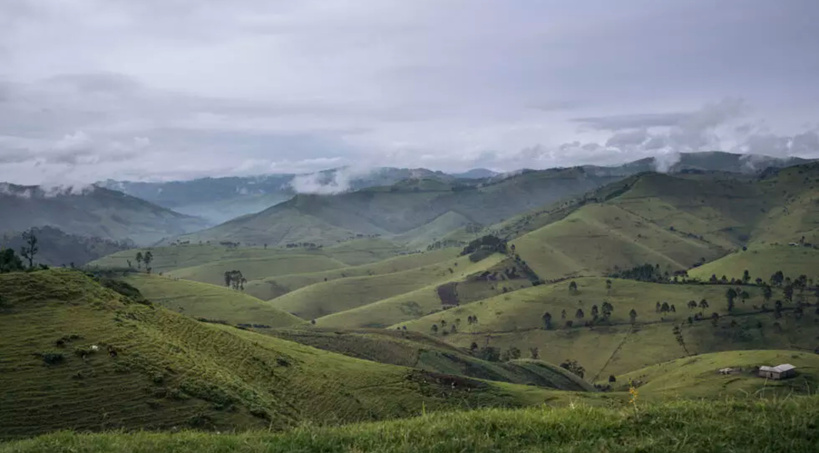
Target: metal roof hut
point(784, 371)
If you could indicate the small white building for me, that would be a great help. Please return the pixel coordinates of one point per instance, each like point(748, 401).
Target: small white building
point(784, 371)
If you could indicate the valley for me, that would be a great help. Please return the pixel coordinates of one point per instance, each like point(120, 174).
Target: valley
point(539, 295)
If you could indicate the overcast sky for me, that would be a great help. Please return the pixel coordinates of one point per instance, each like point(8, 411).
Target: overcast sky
point(164, 89)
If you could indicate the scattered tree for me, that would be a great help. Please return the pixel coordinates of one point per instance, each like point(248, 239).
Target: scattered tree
point(435, 328)
point(512, 353)
point(632, 315)
point(703, 304)
point(147, 258)
point(767, 293)
point(29, 248)
point(547, 320)
point(139, 260)
point(777, 278)
point(573, 287)
point(573, 367)
point(746, 277)
point(534, 353)
point(579, 314)
point(612, 379)
point(563, 314)
point(730, 295)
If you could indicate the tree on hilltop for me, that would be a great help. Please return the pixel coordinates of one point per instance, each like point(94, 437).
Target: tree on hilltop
point(29, 248)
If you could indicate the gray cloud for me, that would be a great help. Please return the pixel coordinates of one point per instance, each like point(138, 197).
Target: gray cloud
point(169, 89)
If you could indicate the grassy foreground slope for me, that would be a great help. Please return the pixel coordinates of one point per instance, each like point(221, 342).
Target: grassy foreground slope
point(201, 300)
point(699, 377)
point(172, 371)
point(684, 426)
point(425, 353)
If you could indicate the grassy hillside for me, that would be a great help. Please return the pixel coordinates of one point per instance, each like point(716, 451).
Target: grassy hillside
point(257, 268)
point(95, 212)
point(272, 287)
point(617, 346)
point(685, 426)
point(762, 262)
point(413, 210)
point(201, 300)
point(335, 296)
point(425, 353)
point(675, 221)
point(699, 377)
point(172, 371)
point(169, 258)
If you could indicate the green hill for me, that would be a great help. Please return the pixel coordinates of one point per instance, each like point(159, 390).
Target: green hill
point(684, 426)
point(425, 353)
point(617, 346)
point(762, 262)
point(201, 300)
point(699, 376)
point(92, 212)
point(674, 221)
point(322, 299)
point(412, 209)
point(257, 268)
point(172, 371)
point(271, 287)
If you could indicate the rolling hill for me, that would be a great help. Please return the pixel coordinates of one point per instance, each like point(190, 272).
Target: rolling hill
point(79, 356)
point(675, 221)
point(215, 303)
point(325, 298)
point(91, 212)
point(393, 211)
point(425, 353)
point(616, 346)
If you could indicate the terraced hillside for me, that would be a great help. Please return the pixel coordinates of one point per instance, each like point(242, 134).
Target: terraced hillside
point(79, 356)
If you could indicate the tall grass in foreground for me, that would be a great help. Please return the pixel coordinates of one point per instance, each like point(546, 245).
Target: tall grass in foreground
point(790, 425)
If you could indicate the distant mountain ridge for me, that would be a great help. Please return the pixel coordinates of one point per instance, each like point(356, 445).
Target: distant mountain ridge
point(224, 198)
point(90, 212)
point(424, 209)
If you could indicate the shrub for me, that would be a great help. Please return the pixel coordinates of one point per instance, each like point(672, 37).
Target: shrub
point(53, 358)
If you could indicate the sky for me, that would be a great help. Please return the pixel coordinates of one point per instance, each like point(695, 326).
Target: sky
point(180, 89)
